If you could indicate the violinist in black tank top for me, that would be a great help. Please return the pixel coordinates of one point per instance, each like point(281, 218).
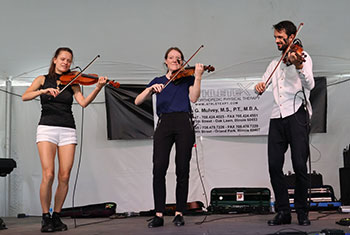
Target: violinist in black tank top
point(56, 132)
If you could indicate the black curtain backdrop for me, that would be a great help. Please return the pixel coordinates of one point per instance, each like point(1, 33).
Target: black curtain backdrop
point(125, 120)
point(318, 99)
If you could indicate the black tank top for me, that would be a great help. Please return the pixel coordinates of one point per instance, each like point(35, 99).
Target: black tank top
point(56, 111)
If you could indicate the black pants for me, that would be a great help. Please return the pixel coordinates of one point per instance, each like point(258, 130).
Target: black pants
point(291, 130)
point(172, 128)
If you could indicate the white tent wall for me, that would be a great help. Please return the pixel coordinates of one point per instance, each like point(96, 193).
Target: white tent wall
point(121, 171)
point(131, 37)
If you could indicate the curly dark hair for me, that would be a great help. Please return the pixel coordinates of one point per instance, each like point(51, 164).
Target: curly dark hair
point(286, 25)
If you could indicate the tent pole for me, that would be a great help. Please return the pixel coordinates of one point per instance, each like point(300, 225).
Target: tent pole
point(8, 140)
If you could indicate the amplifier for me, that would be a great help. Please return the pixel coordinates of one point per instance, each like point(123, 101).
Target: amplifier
point(344, 175)
point(240, 200)
point(316, 179)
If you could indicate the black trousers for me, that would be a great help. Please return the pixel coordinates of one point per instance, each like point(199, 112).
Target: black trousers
point(291, 131)
point(172, 128)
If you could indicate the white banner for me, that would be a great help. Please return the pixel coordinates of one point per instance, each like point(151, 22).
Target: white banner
point(231, 108)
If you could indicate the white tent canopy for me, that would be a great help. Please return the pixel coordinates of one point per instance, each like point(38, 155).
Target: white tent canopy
point(131, 37)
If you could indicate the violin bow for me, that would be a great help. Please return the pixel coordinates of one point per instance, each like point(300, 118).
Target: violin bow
point(76, 76)
point(181, 68)
point(283, 55)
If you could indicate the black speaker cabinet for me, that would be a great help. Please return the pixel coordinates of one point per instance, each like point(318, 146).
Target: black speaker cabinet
point(344, 174)
point(316, 180)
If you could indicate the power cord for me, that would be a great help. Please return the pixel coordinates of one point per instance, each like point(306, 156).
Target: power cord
point(202, 183)
point(80, 156)
point(307, 125)
point(198, 169)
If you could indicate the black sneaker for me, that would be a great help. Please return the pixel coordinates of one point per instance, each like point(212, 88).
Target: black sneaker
point(179, 220)
point(156, 222)
point(57, 223)
point(46, 223)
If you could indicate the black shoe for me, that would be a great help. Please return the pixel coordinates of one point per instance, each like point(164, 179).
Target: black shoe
point(179, 220)
point(57, 223)
point(280, 218)
point(156, 222)
point(303, 218)
point(46, 223)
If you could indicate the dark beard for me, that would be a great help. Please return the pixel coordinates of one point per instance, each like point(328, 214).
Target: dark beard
point(283, 48)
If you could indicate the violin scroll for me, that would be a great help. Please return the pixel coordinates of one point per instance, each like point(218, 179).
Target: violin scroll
point(297, 48)
point(114, 84)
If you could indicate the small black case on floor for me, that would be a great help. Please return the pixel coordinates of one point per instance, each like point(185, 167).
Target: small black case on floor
point(105, 209)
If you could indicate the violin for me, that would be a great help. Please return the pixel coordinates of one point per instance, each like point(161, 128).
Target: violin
point(189, 71)
point(83, 79)
point(297, 48)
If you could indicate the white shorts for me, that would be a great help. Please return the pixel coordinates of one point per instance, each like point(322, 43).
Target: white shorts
point(56, 134)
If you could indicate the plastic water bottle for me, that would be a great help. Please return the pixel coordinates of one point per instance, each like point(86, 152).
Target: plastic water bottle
point(272, 205)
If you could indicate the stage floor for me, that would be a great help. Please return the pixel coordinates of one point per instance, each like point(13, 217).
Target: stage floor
point(213, 224)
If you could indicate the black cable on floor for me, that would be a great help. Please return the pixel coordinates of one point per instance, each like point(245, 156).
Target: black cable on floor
point(80, 156)
point(202, 183)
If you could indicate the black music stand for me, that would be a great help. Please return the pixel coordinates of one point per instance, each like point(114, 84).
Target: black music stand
point(6, 167)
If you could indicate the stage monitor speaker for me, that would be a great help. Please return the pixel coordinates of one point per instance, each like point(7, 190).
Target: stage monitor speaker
point(344, 175)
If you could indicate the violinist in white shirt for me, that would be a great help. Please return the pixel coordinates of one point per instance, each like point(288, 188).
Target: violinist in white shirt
point(291, 84)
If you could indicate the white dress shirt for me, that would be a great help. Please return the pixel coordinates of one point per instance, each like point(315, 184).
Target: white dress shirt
point(286, 82)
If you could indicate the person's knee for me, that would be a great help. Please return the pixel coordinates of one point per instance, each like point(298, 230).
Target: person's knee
point(159, 173)
point(63, 178)
point(274, 168)
point(182, 173)
point(48, 176)
point(300, 168)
